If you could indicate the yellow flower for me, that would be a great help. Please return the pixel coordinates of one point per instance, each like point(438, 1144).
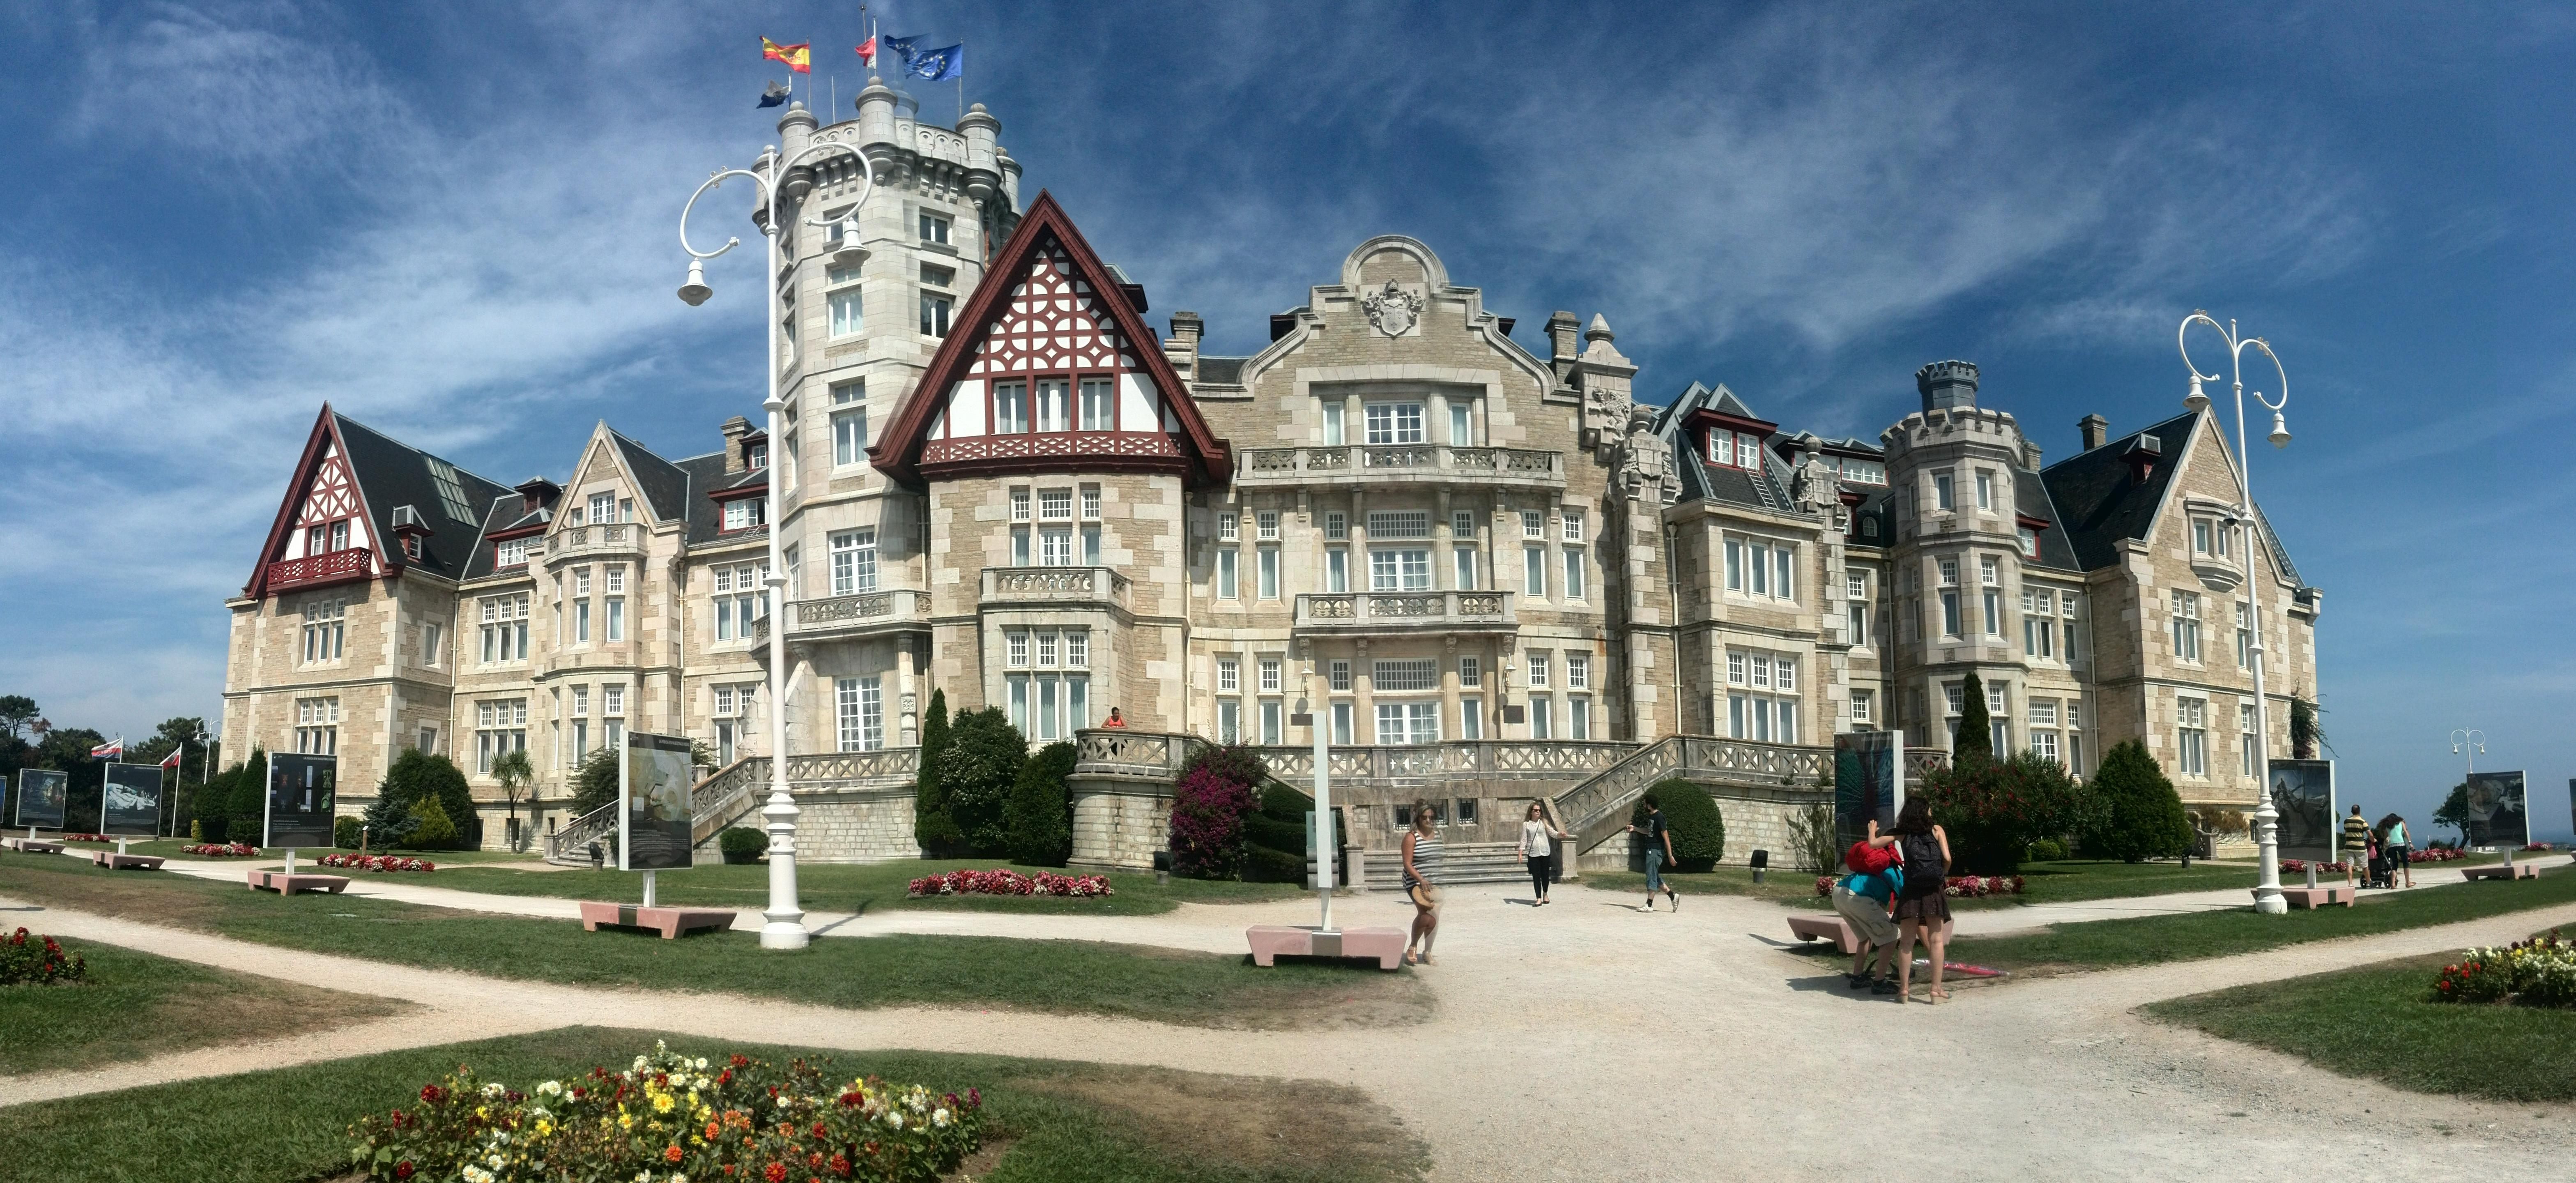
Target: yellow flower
point(662, 1103)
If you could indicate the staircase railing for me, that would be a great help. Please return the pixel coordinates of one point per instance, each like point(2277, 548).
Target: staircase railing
point(569, 846)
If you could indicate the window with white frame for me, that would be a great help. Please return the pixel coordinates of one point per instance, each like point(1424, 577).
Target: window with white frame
point(1270, 675)
point(1578, 671)
point(2186, 626)
point(1399, 569)
point(1229, 675)
point(1333, 424)
point(2191, 729)
point(317, 725)
point(1856, 608)
point(2246, 747)
point(500, 725)
point(1471, 717)
point(1229, 525)
point(1399, 675)
point(859, 712)
point(1054, 405)
point(1985, 489)
point(1265, 525)
point(1394, 423)
point(1760, 567)
point(1271, 731)
point(1459, 429)
point(1575, 581)
point(841, 298)
point(2038, 622)
point(849, 424)
point(854, 562)
point(326, 630)
point(510, 552)
point(1266, 572)
point(505, 628)
point(1462, 561)
point(1534, 571)
point(1471, 673)
point(1342, 722)
point(1536, 668)
point(1860, 706)
point(616, 602)
point(603, 508)
point(1010, 408)
point(934, 314)
point(738, 598)
point(1534, 523)
point(1337, 569)
point(433, 644)
point(579, 716)
point(1761, 700)
point(2244, 635)
point(1098, 407)
point(1393, 525)
point(1337, 525)
point(1542, 716)
point(1226, 586)
point(1578, 716)
point(1943, 496)
point(2067, 635)
point(934, 228)
point(1416, 722)
point(2028, 540)
point(742, 513)
point(1951, 624)
point(1573, 524)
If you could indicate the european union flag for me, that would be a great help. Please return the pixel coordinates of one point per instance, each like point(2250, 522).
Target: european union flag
point(902, 47)
point(939, 65)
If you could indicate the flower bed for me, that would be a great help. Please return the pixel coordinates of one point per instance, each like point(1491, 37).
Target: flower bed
point(1003, 881)
point(2538, 848)
point(2537, 972)
point(668, 1118)
point(89, 837)
point(221, 850)
point(2294, 866)
point(376, 862)
point(26, 958)
point(1956, 886)
point(2436, 854)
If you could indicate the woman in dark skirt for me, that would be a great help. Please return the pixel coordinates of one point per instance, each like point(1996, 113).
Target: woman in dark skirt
point(1923, 904)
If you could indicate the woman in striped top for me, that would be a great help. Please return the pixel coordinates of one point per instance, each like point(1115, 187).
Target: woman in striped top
point(1421, 874)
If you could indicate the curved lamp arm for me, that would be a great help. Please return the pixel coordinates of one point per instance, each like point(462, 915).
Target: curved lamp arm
point(2266, 347)
point(2183, 346)
point(714, 180)
point(867, 184)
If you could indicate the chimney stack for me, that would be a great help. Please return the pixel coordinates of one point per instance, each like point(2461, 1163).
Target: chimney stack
point(1947, 385)
point(1560, 336)
point(734, 430)
point(2096, 429)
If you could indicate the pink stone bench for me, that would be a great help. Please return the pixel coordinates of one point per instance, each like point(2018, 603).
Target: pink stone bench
point(2501, 871)
point(285, 884)
point(2313, 898)
point(119, 862)
point(670, 922)
point(34, 846)
point(1269, 941)
point(1831, 928)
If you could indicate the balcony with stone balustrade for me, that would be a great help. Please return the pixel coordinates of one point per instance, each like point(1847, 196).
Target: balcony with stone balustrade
point(1049, 587)
point(610, 540)
point(1365, 614)
point(1399, 464)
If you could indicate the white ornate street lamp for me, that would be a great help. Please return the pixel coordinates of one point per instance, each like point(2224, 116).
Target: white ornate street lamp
point(785, 927)
point(2267, 819)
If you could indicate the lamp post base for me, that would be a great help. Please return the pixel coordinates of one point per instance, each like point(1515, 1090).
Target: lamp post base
point(785, 933)
point(2269, 902)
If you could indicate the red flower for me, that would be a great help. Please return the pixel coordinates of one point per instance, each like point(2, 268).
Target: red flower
point(672, 1154)
point(818, 1129)
point(402, 1170)
point(431, 1094)
point(713, 1130)
point(840, 1164)
point(776, 1172)
point(815, 1159)
point(725, 1077)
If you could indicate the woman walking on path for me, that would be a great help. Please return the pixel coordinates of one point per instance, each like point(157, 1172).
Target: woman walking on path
point(2398, 845)
point(1421, 873)
point(1922, 906)
point(1659, 850)
point(1539, 837)
point(2356, 842)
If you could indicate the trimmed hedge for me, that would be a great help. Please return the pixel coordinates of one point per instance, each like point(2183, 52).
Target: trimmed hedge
point(1698, 827)
point(1037, 822)
point(742, 844)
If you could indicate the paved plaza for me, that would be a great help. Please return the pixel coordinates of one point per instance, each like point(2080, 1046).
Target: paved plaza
point(1584, 1040)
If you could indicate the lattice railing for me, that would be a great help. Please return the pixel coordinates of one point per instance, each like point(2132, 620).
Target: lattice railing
point(1283, 464)
point(1470, 757)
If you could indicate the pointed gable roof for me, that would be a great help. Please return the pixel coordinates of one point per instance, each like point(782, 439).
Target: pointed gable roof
point(384, 474)
point(1044, 231)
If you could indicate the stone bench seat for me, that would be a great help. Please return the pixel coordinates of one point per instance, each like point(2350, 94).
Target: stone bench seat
point(125, 862)
point(670, 922)
point(2320, 896)
point(285, 884)
point(1829, 927)
point(2501, 871)
point(1269, 941)
point(34, 846)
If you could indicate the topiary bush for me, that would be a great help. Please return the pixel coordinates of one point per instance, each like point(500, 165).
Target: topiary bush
point(431, 829)
point(1037, 822)
point(932, 826)
point(1698, 828)
point(742, 844)
point(2046, 850)
point(1994, 811)
point(1274, 836)
point(345, 832)
point(1209, 803)
point(2141, 815)
point(416, 776)
point(977, 772)
point(1975, 742)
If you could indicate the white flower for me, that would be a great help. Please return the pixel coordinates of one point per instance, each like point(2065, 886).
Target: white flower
point(639, 1064)
point(494, 1089)
point(550, 1088)
point(939, 1117)
point(895, 1119)
point(497, 1162)
point(782, 1100)
point(700, 1065)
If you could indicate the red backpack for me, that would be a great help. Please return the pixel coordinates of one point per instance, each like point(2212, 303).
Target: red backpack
point(1865, 859)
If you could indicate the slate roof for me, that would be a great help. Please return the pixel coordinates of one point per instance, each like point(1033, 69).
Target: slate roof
point(503, 513)
point(661, 482)
point(706, 474)
point(2030, 497)
point(1766, 490)
point(391, 473)
point(2100, 504)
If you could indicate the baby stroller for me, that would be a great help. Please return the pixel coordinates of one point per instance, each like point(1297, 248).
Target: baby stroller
point(2382, 869)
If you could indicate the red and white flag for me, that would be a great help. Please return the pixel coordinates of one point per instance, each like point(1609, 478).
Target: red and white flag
point(172, 760)
point(868, 51)
point(113, 747)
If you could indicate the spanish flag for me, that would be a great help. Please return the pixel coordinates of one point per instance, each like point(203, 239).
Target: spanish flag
point(795, 56)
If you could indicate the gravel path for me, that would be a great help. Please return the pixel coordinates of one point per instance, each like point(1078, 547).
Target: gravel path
point(1588, 1041)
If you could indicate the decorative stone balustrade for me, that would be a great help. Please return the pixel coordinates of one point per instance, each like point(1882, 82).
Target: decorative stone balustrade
point(1058, 585)
point(613, 537)
point(1361, 613)
point(1382, 463)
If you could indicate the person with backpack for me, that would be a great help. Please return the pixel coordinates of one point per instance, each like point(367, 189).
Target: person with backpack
point(1659, 850)
point(1923, 902)
point(1863, 899)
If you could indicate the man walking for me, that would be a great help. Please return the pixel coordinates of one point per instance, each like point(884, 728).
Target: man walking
point(1659, 850)
point(2356, 842)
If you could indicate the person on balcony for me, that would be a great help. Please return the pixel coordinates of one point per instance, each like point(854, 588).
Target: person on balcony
point(1115, 719)
point(1538, 850)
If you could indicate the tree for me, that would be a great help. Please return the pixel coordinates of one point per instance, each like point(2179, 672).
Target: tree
point(2455, 811)
point(931, 826)
point(414, 776)
point(2307, 734)
point(431, 829)
point(17, 715)
point(514, 772)
point(976, 774)
point(2141, 817)
point(1993, 810)
point(1976, 738)
point(1215, 792)
point(594, 781)
point(1698, 828)
point(1038, 820)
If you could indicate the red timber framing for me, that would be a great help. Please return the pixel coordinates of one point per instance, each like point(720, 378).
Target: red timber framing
point(1049, 312)
point(325, 490)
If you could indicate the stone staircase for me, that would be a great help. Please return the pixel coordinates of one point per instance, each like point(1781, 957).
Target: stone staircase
point(722, 798)
point(1460, 862)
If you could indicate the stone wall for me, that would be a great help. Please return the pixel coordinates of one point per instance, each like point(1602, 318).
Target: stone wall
point(1756, 819)
point(1119, 822)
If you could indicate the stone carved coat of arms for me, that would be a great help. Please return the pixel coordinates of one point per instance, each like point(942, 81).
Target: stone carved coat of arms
point(1393, 310)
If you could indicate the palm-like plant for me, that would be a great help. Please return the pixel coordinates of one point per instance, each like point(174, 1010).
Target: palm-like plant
point(515, 773)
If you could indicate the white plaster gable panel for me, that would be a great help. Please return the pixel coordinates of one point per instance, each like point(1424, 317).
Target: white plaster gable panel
point(1136, 401)
point(966, 408)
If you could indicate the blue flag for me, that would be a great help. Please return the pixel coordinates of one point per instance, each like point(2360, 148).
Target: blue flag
point(773, 96)
point(902, 47)
point(939, 65)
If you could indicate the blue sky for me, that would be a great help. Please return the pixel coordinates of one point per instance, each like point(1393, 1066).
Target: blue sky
point(454, 221)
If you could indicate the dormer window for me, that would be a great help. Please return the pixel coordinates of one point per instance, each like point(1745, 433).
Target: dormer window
point(754, 456)
point(742, 513)
point(1733, 449)
point(411, 547)
point(2029, 542)
point(1721, 448)
point(510, 552)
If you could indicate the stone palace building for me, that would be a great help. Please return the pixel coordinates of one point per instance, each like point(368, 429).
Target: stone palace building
point(1472, 557)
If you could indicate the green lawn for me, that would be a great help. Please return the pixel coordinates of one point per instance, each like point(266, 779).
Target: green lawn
point(1204, 989)
point(169, 848)
point(2380, 1021)
point(135, 1005)
point(850, 887)
point(1056, 1121)
point(2043, 883)
point(2147, 940)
